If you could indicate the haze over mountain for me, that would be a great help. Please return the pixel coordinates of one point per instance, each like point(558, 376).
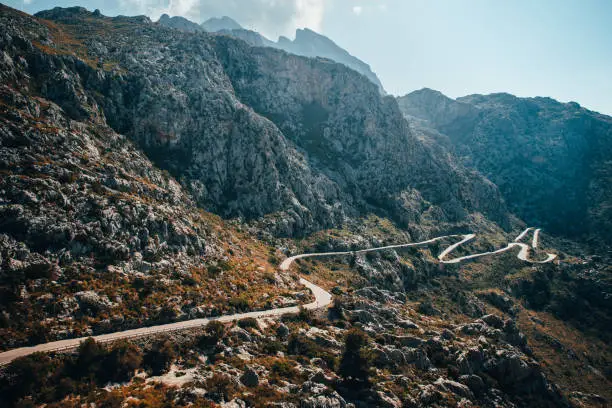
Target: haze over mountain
point(307, 42)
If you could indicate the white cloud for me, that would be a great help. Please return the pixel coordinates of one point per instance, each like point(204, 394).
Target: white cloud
point(27, 1)
point(309, 13)
point(357, 10)
point(270, 17)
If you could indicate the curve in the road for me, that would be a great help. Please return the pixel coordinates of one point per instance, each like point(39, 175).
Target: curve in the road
point(322, 297)
point(523, 252)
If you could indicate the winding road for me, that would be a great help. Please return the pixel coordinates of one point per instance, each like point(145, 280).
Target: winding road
point(322, 297)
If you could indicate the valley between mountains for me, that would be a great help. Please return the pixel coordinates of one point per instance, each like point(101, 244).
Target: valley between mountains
point(193, 215)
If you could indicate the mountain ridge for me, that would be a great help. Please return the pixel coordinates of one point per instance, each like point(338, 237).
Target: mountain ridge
point(306, 43)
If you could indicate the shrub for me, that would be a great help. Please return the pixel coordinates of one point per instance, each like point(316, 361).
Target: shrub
point(213, 333)
point(355, 362)
point(27, 376)
point(159, 358)
point(240, 303)
point(301, 345)
point(88, 361)
point(220, 387)
point(120, 364)
point(284, 369)
point(271, 347)
point(248, 322)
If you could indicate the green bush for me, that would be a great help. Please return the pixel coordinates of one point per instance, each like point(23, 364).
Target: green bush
point(158, 360)
point(213, 333)
point(301, 345)
point(271, 347)
point(240, 303)
point(28, 376)
point(248, 322)
point(355, 363)
point(284, 369)
point(120, 363)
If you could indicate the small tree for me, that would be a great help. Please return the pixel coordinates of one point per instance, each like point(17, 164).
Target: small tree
point(160, 357)
point(121, 362)
point(355, 363)
point(213, 333)
point(89, 359)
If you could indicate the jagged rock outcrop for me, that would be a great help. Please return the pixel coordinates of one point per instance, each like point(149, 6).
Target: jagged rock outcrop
point(550, 160)
point(216, 24)
point(311, 44)
point(306, 43)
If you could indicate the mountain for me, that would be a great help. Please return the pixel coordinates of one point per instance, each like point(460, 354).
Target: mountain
point(312, 44)
point(219, 115)
point(551, 160)
point(179, 23)
point(151, 175)
point(220, 24)
point(90, 230)
point(307, 42)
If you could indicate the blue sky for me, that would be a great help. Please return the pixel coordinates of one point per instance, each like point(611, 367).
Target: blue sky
point(556, 48)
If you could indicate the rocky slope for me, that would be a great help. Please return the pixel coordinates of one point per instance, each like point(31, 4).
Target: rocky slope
point(550, 160)
point(255, 132)
point(93, 237)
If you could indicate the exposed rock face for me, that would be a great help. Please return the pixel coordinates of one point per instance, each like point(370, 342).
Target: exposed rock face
point(254, 131)
point(550, 160)
point(307, 42)
point(311, 44)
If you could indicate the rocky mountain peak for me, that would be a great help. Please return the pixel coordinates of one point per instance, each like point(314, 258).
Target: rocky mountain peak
point(220, 23)
point(433, 106)
point(179, 23)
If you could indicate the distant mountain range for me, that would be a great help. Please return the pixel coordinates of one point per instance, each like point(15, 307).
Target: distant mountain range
point(307, 42)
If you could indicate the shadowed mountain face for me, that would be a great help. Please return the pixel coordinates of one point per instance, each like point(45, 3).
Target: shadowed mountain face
point(307, 42)
point(251, 132)
point(550, 160)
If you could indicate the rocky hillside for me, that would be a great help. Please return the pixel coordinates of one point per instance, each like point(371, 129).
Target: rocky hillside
point(94, 237)
point(550, 160)
point(119, 137)
point(255, 132)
